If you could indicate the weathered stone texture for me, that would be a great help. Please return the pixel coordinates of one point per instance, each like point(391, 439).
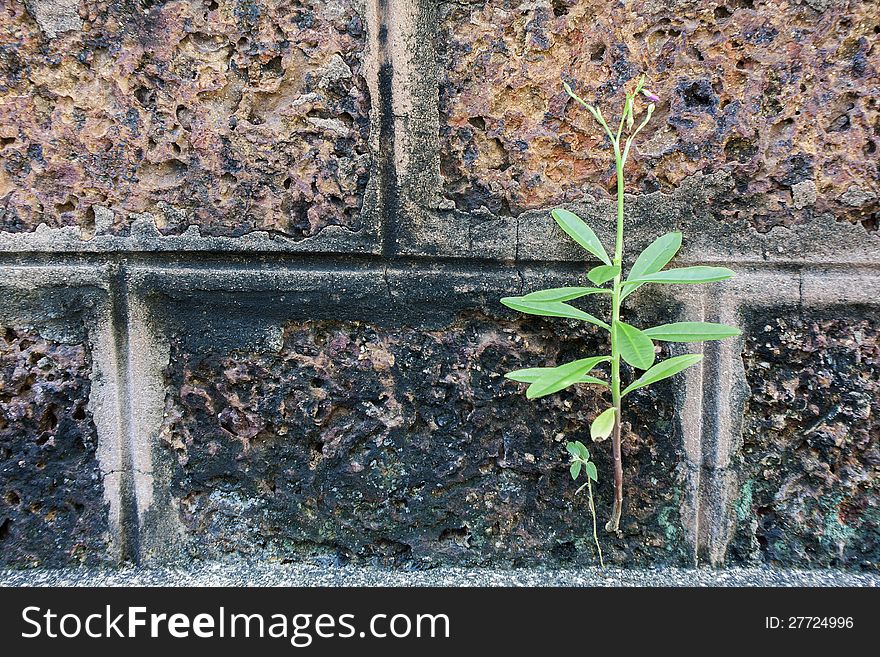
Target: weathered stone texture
point(229, 115)
point(52, 511)
point(810, 460)
point(407, 447)
point(784, 97)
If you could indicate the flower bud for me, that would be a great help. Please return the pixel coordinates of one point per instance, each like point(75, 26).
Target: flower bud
point(650, 95)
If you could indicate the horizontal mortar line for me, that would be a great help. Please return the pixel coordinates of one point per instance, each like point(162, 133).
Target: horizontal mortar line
point(190, 258)
point(346, 262)
point(748, 288)
point(756, 264)
point(803, 289)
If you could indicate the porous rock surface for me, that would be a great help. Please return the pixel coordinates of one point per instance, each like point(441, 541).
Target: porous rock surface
point(810, 460)
point(231, 116)
point(407, 447)
point(783, 96)
point(52, 512)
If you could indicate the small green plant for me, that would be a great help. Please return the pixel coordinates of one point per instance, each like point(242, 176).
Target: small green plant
point(632, 345)
point(580, 462)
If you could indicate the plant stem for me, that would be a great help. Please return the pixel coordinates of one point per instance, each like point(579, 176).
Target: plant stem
point(595, 533)
point(613, 524)
point(589, 488)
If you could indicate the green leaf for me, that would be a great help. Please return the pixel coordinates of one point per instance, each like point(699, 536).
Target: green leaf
point(603, 425)
point(532, 374)
point(572, 449)
point(528, 375)
point(575, 227)
point(551, 309)
point(654, 258)
point(603, 273)
point(575, 469)
point(563, 293)
point(558, 378)
point(582, 450)
point(635, 347)
point(685, 275)
point(663, 370)
point(590, 469)
point(691, 332)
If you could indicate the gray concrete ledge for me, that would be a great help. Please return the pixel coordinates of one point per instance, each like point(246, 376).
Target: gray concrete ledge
point(313, 575)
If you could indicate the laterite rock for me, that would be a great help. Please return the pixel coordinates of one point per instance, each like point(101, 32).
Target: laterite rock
point(778, 95)
point(810, 461)
point(230, 116)
point(404, 446)
point(52, 511)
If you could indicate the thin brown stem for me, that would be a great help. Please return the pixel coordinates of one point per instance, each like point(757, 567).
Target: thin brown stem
point(595, 532)
point(589, 488)
point(613, 524)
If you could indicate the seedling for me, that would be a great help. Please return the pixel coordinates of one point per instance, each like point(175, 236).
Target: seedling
point(633, 345)
point(580, 462)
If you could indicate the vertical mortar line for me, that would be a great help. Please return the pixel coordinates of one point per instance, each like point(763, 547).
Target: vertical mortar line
point(149, 354)
point(748, 291)
point(717, 429)
point(714, 409)
point(698, 461)
point(380, 56)
point(129, 523)
point(731, 396)
point(516, 247)
point(692, 409)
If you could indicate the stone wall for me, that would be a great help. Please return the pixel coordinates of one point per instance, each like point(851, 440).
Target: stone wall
point(252, 250)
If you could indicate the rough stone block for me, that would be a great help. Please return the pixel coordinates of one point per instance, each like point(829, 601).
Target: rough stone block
point(779, 100)
point(52, 511)
point(809, 464)
point(766, 123)
point(232, 117)
point(398, 441)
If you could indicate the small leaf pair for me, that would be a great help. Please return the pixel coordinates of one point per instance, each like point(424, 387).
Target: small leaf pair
point(648, 265)
point(581, 460)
